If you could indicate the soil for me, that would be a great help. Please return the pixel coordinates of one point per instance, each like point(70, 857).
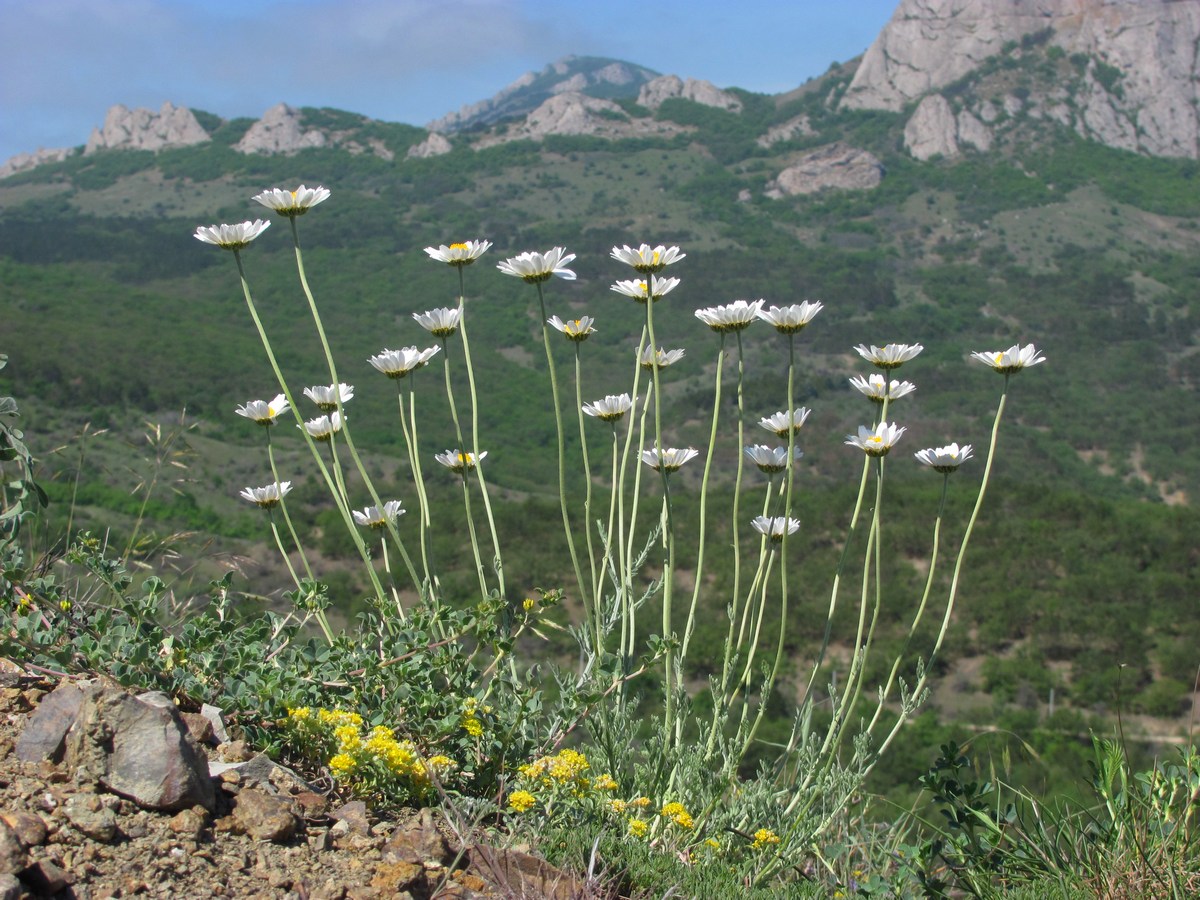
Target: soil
point(68, 847)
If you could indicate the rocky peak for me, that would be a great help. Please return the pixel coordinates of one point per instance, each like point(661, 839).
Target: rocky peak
point(24, 161)
point(578, 114)
point(835, 166)
point(1140, 90)
point(144, 129)
point(667, 87)
point(280, 130)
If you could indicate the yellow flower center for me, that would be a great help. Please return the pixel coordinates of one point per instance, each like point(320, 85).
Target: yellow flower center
point(875, 439)
point(458, 247)
point(656, 259)
point(462, 459)
point(293, 193)
point(999, 358)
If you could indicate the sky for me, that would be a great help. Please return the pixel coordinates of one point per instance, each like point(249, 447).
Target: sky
point(63, 63)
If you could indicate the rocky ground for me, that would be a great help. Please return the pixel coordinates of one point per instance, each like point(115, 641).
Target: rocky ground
point(254, 830)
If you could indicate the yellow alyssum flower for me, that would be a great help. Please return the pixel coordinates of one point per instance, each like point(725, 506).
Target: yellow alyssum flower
point(521, 800)
point(678, 814)
point(617, 806)
point(763, 838)
point(604, 783)
point(342, 764)
point(336, 717)
point(638, 828)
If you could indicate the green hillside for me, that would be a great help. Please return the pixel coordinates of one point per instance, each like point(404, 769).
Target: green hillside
point(113, 315)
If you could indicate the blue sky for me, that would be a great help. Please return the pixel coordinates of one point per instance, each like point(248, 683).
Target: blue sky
point(64, 62)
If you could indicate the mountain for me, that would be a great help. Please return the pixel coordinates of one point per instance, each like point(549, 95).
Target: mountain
point(591, 76)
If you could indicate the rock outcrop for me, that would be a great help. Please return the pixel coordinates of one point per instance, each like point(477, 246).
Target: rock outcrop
point(593, 76)
point(835, 166)
point(434, 145)
point(579, 114)
point(280, 130)
point(1141, 85)
point(22, 162)
point(144, 129)
point(798, 126)
point(666, 87)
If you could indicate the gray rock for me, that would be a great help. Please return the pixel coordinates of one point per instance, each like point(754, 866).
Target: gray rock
point(932, 129)
point(11, 887)
point(418, 841)
point(260, 771)
point(973, 132)
point(91, 818)
point(835, 166)
point(797, 126)
point(279, 131)
point(138, 751)
point(216, 715)
point(144, 129)
point(666, 87)
point(23, 162)
point(434, 145)
point(29, 828)
point(929, 44)
point(12, 852)
point(572, 113)
point(46, 730)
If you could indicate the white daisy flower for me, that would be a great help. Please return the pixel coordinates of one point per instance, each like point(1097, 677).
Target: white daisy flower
point(292, 203)
point(262, 411)
point(231, 237)
point(774, 526)
point(459, 255)
point(440, 322)
point(659, 288)
point(876, 441)
point(734, 316)
point(790, 319)
point(267, 496)
point(373, 517)
point(770, 459)
point(459, 462)
point(573, 329)
point(611, 408)
point(876, 387)
point(399, 363)
point(663, 358)
point(781, 423)
point(1012, 360)
point(672, 458)
point(535, 267)
point(323, 428)
point(646, 259)
point(889, 356)
point(944, 459)
point(327, 398)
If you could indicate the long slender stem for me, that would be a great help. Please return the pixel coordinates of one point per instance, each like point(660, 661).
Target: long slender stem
point(737, 484)
point(414, 461)
point(283, 508)
point(597, 611)
point(562, 458)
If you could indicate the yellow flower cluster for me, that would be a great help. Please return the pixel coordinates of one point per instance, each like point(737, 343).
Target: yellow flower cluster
point(638, 828)
point(764, 837)
point(676, 812)
point(471, 722)
point(521, 800)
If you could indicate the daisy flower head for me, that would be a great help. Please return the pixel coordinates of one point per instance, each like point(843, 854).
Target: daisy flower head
point(459, 462)
point(661, 359)
point(876, 387)
point(783, 422)
point(537, 267)
point(944, 459)
point(659, 288)
point(231, 237)
point(329, 397)
point(375, 518)
point(876, 441)
point(770, 459)
point(672, 458)
point(735, 316)
point(1012, 360)
point(646, 259)
point(267, 496)
point(264, 412)
point(292, 203)
point(399, 363)
point(610, 409)
point(573, 329)
point(440, 322)
point(323, 428)
point(889, 356)
point(774, 527)
point(790, 319)
point(459, 255)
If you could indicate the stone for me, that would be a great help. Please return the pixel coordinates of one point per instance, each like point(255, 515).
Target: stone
point(13, 857)
point(973, 132)
point(216, 717)
point(354, 814)
point(144, 129)
point(46, 878)
point(199, 727)
point(29, 827)
point(91, 818)
point(579, 114)
point(418, 841)
point(11, 887)
point(667, 87)
point(23, 162)
point(280, 130)
point(265, 817)
point(929, 44)
point(932, 130)
point(434, 145)
point(523, 874)
point(138, 751)
point(189, 823)
point(45, 733)
point(397, 876)
point(834, 166)
point(797, 126)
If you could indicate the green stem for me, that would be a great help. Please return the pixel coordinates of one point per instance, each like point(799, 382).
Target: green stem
point(737, 484)
point(597, 593)
point(466, 460)
point(414, 461)
point(283, 508)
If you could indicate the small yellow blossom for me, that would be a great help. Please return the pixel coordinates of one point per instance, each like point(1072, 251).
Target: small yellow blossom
point(640, 802)
point(638, 828)
point(342, 764)
point(764, 837)
point(712, 844)
point(617, 806)
point(521, 800)
point(676, 812)
point(528, 604)
point(472, 726)
point(604, 783)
